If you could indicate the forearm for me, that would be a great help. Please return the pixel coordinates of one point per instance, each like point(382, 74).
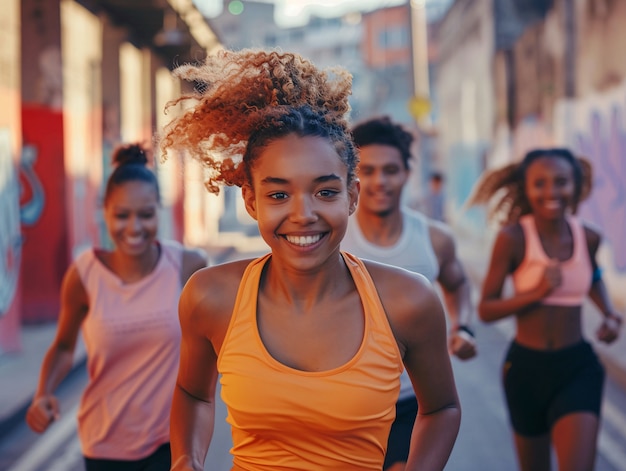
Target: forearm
point(459, 305)
point(433, 438)
point(191, 430)
point(57, 364)
point(600, 297)
point(494, 309)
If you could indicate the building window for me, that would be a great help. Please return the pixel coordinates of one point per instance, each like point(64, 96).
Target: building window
point(393, 38)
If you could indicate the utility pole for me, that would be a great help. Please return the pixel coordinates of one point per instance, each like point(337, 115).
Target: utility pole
point(419, 104)
point(569, 10)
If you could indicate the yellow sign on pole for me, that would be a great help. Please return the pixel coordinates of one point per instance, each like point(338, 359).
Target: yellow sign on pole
point(419, 107)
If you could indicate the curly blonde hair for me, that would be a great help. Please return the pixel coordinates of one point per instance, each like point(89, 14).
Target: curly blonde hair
point(245, 99)
point(503, 190)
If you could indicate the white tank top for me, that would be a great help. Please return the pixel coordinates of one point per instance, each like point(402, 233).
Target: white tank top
point(413, 251)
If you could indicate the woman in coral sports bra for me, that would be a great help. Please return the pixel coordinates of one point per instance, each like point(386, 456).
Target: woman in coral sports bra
point(552, 378)
point(308, 342)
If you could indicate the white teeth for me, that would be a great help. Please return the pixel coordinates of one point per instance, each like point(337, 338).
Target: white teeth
point(304, 240)
point(134, 240)
point(552, 204)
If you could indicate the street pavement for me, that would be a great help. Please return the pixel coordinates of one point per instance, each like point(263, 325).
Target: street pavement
point(19, 371)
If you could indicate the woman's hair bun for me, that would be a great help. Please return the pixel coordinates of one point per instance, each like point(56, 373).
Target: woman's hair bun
point(130, 154)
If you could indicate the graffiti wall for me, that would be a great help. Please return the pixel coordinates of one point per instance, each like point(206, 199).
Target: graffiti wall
point(10, 246)
point(10, 144)
point(595, 127)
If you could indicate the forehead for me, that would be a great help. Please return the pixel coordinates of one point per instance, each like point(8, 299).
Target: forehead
point(551, 164)
point(379, 155)
point(293, 157)
point(133, 192)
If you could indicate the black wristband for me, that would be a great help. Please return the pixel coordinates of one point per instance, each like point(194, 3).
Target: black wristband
point(597, 275)
point(466, 329)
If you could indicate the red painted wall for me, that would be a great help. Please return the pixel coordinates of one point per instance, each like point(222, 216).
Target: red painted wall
point(45, 253)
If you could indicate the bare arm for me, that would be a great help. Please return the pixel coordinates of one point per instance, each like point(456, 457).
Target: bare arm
point(456, 292)
point(493, 306)
point(59, 358)
point(418, 321)
point(610, 328)
point(193, 407)
point(428, 363)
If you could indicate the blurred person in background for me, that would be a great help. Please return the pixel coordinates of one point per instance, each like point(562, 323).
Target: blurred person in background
point(125, 301)
point(434, 203)
point(553, 380)
point(309, 342)
point(385, 231)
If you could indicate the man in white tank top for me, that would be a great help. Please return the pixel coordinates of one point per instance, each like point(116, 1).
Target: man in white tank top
point(383, 230)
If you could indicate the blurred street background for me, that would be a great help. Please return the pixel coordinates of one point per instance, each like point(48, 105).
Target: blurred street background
point(480, 82)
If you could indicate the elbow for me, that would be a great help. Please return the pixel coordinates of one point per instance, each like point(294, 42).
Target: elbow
point(62, 352)
point(483, 314)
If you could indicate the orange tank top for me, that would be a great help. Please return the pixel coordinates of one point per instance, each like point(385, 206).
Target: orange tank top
point(286, 419)
point(576, 271)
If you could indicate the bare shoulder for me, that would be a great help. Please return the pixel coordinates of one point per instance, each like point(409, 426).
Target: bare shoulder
point(442, 239)
point(440, 229)
point(592, 234)
point(72, 290)
point(208, 298)
point(211, 286)
point(392, 277)
point(510, 245)
point(512, 232)
point(409, 299)
point(511, 236)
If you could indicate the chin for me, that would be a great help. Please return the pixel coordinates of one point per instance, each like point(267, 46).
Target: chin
point(383, 212)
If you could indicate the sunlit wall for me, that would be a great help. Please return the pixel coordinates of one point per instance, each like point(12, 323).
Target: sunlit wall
point(10, 143)
point(81, 35)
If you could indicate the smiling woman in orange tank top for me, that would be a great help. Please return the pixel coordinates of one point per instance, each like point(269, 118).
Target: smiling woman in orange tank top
point(309, 342)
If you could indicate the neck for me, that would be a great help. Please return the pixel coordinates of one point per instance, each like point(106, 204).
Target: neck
point(380, 229)
point(304, 289)
point(132, 268)
point(551, 226)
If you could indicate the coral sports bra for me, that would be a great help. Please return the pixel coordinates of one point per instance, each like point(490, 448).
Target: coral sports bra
point(576, 271)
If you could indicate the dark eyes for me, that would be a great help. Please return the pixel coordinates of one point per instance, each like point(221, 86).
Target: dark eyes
point(393, 170)
point(540, 183)
point(326, 193)
point(148, 215)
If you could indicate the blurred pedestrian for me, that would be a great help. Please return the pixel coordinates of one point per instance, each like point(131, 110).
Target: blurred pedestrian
point(309, 358)
point(385, 231)
point(552, 378)
point(125, 301)
point(435, 201)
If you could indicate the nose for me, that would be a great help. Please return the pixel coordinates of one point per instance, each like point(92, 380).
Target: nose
point(303, 210)
point(378, 177)
point(552, 189)
point(135, 224)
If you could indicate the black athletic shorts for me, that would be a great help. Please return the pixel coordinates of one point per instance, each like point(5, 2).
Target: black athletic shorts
point(543, 386)
point(400, 435)
point(160, 460)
